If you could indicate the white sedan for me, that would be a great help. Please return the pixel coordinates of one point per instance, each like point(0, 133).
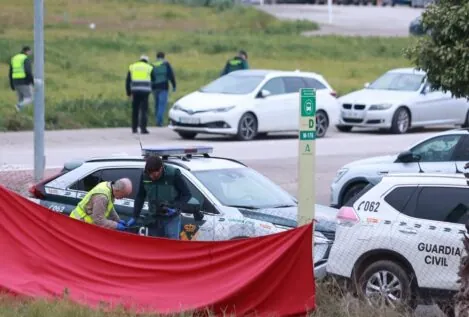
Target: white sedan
point(399, 100)
point(250, 103)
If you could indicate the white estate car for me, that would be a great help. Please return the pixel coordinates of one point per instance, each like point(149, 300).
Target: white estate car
point(399, 100)
point(441, 152)
point(401, 240)
point(250, 103)
point(237, 201)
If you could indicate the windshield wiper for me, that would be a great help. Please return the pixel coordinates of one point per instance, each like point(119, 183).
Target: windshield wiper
point(283, 206)
point(241, 206)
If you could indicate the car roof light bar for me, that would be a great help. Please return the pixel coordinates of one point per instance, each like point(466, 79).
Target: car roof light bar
point(175, 151)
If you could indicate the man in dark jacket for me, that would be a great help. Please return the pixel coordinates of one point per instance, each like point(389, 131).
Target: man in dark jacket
point(164, 188)
point(21, 77)
point(236, 63)
point(163, 75)
point(138, 88)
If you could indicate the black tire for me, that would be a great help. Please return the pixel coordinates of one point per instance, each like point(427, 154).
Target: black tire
point(351, 191)
point(400, 121)
point(344, 128)
point(395, 276)
point(466, 123)
point(247, 127)
point(322, 124)
point(187, 135)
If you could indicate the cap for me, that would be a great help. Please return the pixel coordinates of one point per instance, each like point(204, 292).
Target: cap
point(144, 57)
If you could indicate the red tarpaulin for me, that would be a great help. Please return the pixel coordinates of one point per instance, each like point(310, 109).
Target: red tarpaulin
point(43, 253)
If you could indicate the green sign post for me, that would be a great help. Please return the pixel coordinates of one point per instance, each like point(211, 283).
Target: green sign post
point(307, 156)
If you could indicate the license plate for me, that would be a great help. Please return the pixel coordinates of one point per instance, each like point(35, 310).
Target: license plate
point(352, 115)
point(189, 120)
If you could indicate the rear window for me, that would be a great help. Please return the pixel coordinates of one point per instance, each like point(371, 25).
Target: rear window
point(365, 189)
point(399, 197)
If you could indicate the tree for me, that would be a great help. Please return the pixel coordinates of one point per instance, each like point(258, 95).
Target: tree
point(444, 52)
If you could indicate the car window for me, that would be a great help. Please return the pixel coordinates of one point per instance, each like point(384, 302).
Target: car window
point(276, 86)
point(205, 205)
point(399, 197)
point(462, 150)
point(438, 149)
point(398, 81)
point(233, 83)
point(449, 204)
point(362, 192)
point(314, 83)
point(293, 84)
point(87, 183)
point(244, 187)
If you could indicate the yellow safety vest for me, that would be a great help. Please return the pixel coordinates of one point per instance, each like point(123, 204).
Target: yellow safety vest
point(102, 188)
point(17, 65)
point(140, 75)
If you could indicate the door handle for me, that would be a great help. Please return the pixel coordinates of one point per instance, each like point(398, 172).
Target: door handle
point(408, 230)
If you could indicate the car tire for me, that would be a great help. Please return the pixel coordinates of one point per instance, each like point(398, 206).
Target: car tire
point(400, 121)
point(247, 127)
point(351, 191)
point(187, 135)
point(390, 273)
point(344, 128)
point(322, 123)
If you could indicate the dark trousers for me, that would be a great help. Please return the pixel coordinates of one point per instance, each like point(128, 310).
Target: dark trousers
point(140, 107)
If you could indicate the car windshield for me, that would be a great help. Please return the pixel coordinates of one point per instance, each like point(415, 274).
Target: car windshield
point(398, 81)
point(233, 84)
point(244, 187)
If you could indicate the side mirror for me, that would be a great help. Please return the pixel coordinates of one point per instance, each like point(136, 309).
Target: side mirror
point(408, 157)
point(366, 85)
point(264, 93)
point(425, 90)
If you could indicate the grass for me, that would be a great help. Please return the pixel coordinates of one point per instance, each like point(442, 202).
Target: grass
point(85, 69)
point(330, 303)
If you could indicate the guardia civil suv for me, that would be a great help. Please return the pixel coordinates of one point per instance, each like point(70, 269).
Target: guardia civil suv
point(400, 241)
point(236, 201)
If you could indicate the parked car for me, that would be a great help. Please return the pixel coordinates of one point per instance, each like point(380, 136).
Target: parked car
point(443, 152)
point(399, 100)
point(400, 241)
point(250, 103)
point(237, 201)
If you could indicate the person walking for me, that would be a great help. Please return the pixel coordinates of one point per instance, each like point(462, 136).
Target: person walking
point(138, 88)
point(163, 187)
point(236, 63)
point(97, 207)
point(163, 75)
point(21, 77)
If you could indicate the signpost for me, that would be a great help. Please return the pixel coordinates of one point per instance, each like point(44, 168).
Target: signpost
point(307, 156)
point(39, 123)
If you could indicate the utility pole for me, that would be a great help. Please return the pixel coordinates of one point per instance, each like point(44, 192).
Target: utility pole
point(39, 117)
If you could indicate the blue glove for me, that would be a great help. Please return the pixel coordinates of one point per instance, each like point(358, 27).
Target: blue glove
point(131, 222)
point(170, 211)
point(121, 227)
point(122, 222)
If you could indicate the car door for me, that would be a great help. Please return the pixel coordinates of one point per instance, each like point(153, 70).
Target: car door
point(293, 84)
point(270, 108)
point(434, 106)
point(428, 233)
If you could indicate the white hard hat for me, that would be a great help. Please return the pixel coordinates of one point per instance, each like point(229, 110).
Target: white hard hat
point(144, 57)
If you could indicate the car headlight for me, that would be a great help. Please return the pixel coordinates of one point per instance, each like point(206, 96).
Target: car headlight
point(339, 174)
point(224, 109)
point(382, 106)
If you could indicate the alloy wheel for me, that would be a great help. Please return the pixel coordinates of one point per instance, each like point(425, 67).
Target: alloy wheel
point(403, 121)
point(384, 288)
point(321, 124)
point(248, 127)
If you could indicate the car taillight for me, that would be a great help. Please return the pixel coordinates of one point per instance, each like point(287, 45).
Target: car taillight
point(347, 217)
point(334, 94)
point(37, 190)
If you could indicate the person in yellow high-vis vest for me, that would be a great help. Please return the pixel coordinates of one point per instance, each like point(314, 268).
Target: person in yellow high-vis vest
point(21, 77)
point(138, 87)
point(97, 207)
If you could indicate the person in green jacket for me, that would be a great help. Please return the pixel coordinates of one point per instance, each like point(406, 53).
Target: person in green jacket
point(238, 62)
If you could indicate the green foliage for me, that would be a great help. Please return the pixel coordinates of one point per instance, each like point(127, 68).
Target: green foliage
point(444, 53)
point(85, 69)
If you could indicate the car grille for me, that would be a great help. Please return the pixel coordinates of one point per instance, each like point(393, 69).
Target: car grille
point(356, 107)
point(348, 120)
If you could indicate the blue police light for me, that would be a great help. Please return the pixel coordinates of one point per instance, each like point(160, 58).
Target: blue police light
point(167, 151)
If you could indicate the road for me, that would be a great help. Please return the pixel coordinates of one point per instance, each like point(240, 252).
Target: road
point(350, 20)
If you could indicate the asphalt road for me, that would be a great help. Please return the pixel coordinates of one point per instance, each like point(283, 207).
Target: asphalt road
point(350, 20)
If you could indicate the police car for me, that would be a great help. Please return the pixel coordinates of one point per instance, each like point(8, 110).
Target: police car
point(400, 240)
point(236, 201)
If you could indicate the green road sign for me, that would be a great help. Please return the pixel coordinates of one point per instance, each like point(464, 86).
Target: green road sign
point(307, 135)
point(308, 102)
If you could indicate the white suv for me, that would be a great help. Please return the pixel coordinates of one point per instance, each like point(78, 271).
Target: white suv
point(401, 239)
point(251, 103)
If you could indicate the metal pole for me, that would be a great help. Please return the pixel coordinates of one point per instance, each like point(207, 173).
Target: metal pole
point(329, 9)
point(39, 118)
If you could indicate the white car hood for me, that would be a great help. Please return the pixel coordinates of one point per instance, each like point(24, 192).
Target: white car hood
point(373, 160)
point(198, 101)
point(375, 96)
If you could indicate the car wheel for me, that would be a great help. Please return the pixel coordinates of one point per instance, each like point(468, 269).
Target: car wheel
point(466, 122)
point(352, 191)
point(344, 128)
point(400, 121)
point(322, 123)
point(247, 127)
point(386, 283)
point(187, 135)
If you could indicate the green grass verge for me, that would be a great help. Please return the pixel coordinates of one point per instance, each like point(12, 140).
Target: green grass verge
point(85, 69)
